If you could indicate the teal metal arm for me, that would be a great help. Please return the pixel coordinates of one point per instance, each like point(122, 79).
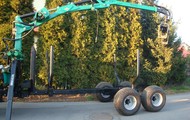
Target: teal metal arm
point(44, 15)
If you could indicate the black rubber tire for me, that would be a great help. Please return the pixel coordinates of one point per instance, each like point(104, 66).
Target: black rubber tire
point(153, 98)
point(125, 84)
point(101, 96)
point(125, 95)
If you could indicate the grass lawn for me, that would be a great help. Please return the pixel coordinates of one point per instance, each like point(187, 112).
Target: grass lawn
point(185, 87)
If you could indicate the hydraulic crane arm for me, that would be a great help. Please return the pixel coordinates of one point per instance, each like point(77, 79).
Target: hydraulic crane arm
point(44, 15)
point(98, 4)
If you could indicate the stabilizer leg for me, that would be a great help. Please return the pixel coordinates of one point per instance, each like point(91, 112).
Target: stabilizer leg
point(33, 67)
point(50, 72)
point(11, 90)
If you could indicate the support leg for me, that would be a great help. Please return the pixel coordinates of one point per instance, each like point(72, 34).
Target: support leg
point(11, 90)
point(50, 76)
point(33, 67)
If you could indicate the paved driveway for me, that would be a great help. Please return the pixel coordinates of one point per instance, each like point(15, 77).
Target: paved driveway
point(177, 108)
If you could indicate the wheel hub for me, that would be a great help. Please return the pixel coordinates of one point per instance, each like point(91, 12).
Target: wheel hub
point(130, 102)
point(157, 99)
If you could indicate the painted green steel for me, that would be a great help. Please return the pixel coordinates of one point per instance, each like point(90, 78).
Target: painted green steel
point(136, 6)
point(6, 78)
point(20, 28)
point(70, 7)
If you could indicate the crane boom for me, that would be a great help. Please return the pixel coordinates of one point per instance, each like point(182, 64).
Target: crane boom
point(42, 16)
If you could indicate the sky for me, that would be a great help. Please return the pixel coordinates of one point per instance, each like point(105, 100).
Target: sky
point(181, 16)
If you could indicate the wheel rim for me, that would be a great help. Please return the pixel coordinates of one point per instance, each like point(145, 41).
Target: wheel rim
point(130, 102)
point(105, 95)
point(157, 99)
